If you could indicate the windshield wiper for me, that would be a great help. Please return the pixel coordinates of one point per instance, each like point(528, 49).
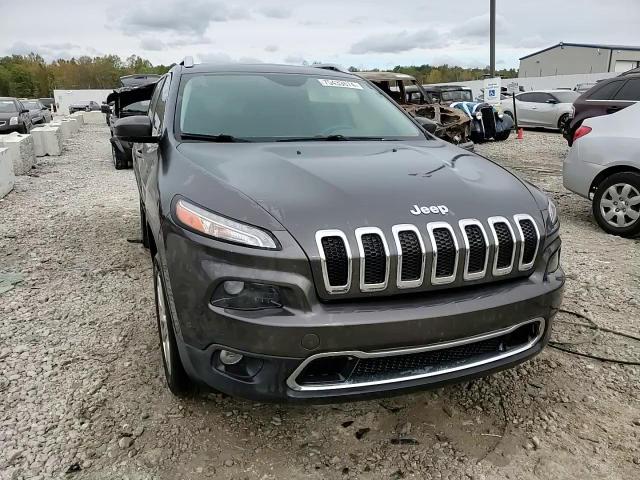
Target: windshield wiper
point(221, 138)
point(328, 138)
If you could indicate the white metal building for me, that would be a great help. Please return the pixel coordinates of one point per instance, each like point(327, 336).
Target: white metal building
point(579, 58)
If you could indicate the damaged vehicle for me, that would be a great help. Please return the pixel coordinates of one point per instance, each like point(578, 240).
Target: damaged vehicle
point(121, 103)
point(453, 124)
point(487, 122)
point(449, 93)
point(311, 241)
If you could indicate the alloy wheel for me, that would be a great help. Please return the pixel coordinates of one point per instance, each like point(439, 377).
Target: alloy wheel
point(163, 323)
point(620, 205)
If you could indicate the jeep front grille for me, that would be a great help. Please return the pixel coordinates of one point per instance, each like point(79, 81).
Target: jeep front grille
point(439, 249)
point(488, 122)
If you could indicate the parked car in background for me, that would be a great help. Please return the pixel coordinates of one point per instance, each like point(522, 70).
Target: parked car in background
point(50, 103)
point(603, 165)
point(542, 108)
point(583, 87)
point(348, 254)
point(138, 79)
point(125, 102)
point(453, 125)
point(37, 111)
point(84, 106)
point(14, 117)
point(486, 121)
point(607, 96)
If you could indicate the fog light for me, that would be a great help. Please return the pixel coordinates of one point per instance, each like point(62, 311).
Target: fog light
point(228, 357)
point(233, 287)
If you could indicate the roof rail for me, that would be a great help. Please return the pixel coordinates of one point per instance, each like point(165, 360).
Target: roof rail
point(331, 66)
point(187, 62)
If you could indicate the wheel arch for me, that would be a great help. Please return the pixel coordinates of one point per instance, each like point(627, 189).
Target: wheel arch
point(607, 172)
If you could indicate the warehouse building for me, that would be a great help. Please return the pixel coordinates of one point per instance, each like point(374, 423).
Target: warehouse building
point(577, 58)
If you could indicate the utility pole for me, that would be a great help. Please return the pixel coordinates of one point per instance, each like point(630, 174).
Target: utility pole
point(492, 38)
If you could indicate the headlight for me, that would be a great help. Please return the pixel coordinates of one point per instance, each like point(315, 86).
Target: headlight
point(212, 225)
point(553, 216)
point(239, 295)
point(500, 115)
point(479, 115)
point(13, 121)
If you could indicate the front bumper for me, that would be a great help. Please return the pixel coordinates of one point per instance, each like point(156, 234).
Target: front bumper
point(278, 341)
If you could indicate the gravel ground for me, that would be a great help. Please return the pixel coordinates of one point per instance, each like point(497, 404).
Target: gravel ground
point(82, 394)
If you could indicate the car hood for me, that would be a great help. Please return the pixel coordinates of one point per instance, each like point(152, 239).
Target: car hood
point(345, 185)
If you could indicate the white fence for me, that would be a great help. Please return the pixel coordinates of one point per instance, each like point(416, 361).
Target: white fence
point(64, 98)
point(539, 83)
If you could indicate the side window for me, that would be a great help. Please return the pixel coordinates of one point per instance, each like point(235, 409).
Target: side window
point(154, 102)
point(630, 91)
point(607, 91)
point(162, 103)
point(525, 97)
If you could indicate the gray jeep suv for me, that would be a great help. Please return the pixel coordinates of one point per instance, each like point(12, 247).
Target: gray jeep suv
point(311, 241)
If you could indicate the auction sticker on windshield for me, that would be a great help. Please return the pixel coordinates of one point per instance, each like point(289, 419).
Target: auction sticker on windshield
point(339, 83)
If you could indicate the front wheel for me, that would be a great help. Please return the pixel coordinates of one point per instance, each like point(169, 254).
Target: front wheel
point(616, 204)
point(177, 379)
point(502, 136)
point(119, 160)
point(562, 122)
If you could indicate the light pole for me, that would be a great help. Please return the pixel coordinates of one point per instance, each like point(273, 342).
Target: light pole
point(492, 38)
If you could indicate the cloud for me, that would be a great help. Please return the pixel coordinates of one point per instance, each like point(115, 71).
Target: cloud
point(400, 42)
point(273, 11)
point(295, 60)
point(152, 44)
point(51, 51)
point(219, 58)
point(173, 16)
point(478, 27)
point(271, 48)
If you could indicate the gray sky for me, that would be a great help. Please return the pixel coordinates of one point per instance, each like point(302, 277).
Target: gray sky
point(348, 32)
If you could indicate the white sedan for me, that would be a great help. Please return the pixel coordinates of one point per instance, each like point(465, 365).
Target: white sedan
point(542, 108)
point(603, 165)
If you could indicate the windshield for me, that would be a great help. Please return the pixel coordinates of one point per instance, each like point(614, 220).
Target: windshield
point(566, 97)
point(31, 105)
point(7, 106)
point(137, 107)
point(457, 95)
point(268, 107)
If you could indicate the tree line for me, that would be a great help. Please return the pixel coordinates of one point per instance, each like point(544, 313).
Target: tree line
point(31, 76)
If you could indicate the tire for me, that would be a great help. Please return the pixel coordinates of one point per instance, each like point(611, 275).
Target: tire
point(619, 191)
point(177, 379)
point(23, 129)
point(562, 122)
point(507, 112)
point(144, 233)
point(119, 159)
point(502, 136)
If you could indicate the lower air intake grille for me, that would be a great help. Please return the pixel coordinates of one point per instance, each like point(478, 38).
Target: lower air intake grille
point(530, 241)
point(446, 252)
point(477, 248)
point(411, 256)
point(337, 261)
point(375, 258)
point(505, 245)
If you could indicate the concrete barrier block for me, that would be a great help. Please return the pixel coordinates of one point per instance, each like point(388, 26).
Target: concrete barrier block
point(64, 127)
point(48, 140)
point(7, 178)
point(73, 125)
point(95, 117)
point(79, 116)
point(21, 151)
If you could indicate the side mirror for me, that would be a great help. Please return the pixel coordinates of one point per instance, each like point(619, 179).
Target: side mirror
point(44, 108)
point(428, 124)
point(24, 110)
point(105, 108)
point(136, 129)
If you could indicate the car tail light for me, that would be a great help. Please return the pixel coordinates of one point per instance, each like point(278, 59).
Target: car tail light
point(581, 132)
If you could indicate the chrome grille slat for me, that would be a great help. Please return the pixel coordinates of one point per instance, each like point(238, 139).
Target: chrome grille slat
point(434, 229)
point(320, 236)
point(497, 269)
point(529, 240)
point(369, 250)
point(466, 227)
point(397, 231)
